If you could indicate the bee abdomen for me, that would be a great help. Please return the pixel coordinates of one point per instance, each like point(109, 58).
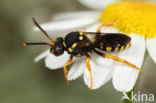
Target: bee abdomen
point(116, 48)
point(113, 42)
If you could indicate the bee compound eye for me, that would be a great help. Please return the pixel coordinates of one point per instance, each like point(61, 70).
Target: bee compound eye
point(57, 51)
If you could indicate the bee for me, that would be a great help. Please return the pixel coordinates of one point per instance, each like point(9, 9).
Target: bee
point(79, 44)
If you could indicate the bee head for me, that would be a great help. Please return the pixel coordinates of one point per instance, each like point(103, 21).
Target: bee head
point(58, 48)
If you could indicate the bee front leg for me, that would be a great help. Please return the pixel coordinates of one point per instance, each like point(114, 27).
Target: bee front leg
point(107, 24)
point(89, 68)
point(121, 60)
point(65, 68)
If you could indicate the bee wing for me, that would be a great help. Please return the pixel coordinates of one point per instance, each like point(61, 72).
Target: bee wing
point(115, 38)
point(91, 36)
point(108, 37)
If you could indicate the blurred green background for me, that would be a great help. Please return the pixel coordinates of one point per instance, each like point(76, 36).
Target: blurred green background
point(23, 81)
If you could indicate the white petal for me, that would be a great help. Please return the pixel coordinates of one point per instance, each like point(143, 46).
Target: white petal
point(151, 47)
point(78, 14)
point(67, 24)
point(56, 62)
point(96, 4)
point(102, 70)
point(124, 77)
point(42, 55)
point(77, 69)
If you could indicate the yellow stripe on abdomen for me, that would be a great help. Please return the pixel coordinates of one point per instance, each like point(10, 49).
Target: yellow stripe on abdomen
point(114, 49)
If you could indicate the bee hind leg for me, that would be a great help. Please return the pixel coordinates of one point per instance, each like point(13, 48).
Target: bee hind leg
point(121, 60)
point(107, 24)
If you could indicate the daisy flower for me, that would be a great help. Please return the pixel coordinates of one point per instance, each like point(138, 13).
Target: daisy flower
point(136, 19)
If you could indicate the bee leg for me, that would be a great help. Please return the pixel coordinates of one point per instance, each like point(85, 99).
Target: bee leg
point(65, 68)
point(119, 60)
point(107, 24)
point(84, 31)
point(89, 68)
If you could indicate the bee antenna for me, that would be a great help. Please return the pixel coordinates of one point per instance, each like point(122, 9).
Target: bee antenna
point(41, 29)
point(37, 43)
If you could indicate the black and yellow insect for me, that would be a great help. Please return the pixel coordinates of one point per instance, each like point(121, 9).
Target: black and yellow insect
point(79, 44)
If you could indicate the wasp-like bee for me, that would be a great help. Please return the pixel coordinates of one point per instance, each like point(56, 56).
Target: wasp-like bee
point(79, 44)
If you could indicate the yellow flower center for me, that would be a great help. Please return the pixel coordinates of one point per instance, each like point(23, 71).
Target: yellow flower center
point(134, 17)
